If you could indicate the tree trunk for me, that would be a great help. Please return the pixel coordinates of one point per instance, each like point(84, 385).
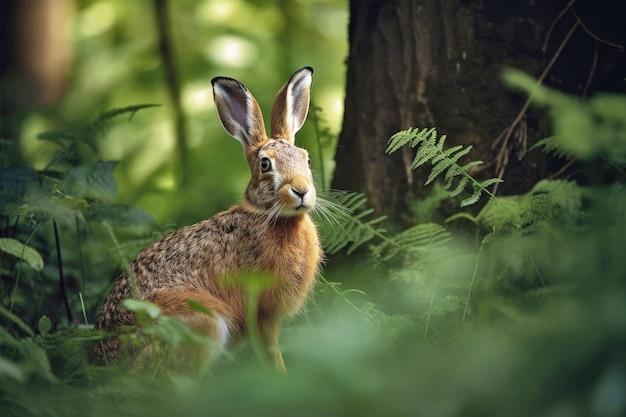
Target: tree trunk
point(425, 63)
point(35, 59)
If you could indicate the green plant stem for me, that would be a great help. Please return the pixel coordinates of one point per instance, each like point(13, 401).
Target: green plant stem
point(342, 294)
point(172, 78)
point(80, 256)
point(19, 267)
point(430, 308)
point(82, 306)
point(16, 320)
point(62, 284)
point(469, 292)
point(254, 333)
point(532, 261)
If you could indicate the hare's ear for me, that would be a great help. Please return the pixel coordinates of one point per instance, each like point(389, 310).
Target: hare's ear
point(291, 105)
point(239, 112)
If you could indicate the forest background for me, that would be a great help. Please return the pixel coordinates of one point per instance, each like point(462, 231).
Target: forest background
point(452, 298)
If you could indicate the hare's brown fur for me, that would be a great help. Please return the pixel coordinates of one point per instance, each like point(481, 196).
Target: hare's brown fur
point(269, 232)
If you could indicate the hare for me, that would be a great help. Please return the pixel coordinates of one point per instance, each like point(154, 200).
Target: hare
point(270, 231)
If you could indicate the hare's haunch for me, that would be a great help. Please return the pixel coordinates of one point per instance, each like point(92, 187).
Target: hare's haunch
point(269, 232)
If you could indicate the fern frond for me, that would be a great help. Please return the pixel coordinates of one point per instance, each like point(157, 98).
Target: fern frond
point(551, 145)
point(548, 201)
point(341, 209)
point(489, 182)
point(87, 134)
point(473, 199)
point(448, 153)
point(420, 238)
point(444, 162)
point(438, 168)
point(459, 188)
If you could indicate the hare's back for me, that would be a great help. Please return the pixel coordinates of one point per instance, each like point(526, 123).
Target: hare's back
point(224, 243)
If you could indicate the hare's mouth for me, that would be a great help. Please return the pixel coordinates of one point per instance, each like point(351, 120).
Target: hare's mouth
point(297, 209)
point(294, 211)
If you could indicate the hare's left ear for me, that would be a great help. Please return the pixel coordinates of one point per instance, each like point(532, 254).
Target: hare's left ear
point(291, 105)
point(239, 112)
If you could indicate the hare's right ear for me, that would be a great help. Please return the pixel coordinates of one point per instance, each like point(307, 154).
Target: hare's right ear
point(239, 112)
point(291, 105)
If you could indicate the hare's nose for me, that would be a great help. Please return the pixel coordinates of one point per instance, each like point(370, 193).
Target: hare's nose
point(298, 193)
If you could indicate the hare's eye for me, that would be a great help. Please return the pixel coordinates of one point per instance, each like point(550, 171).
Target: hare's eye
point(308, 161)
point(266, 164)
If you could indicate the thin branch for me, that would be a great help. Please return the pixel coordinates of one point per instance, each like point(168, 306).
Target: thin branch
point(592, 71)
point(594, 36)
point(166, 50)
point(62, 284)
point(503, 158)
point(562, 170)
point(549, 34)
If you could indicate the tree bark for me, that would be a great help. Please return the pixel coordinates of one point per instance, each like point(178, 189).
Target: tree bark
point(35, 59)
point(438, 63)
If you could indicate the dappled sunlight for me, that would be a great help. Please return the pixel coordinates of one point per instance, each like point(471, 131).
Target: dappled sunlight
point(96, 19)
point(232, 51)
point(156, 153)
point(251, 18)
point(197, 98)
point(38, 153)
point(331, 101)
point(218, 11)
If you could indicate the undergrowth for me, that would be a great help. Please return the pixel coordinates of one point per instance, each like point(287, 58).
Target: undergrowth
point(524, 317)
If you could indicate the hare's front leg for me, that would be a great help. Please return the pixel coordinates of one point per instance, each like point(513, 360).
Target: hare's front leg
point(269, 334)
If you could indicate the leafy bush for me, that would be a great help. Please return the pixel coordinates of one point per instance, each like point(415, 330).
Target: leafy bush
point(46, 211)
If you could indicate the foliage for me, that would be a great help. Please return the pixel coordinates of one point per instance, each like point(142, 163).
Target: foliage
point(586, 129)
point(526, 317)
point(430, 148)
point(345, 225)
point(73, 193)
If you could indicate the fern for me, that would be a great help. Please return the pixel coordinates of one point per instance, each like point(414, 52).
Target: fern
point(91, 180)
point(548, 205)
point(595, 127)
point(430, 148)
point(551, 145)
point(66, 138)
point(417, 239)
point(343, 210)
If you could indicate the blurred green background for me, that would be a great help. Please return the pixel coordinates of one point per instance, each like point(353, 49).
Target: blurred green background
point(115, 61)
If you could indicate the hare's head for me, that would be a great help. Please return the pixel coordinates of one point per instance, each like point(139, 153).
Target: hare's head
point(281, 183)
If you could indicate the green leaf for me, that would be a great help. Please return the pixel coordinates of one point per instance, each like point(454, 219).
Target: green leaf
point(254, 281)
point(471, 164)
point(447, 153)
point(14, 320)
point(490, 181)
point(21, 251)
point(472, 199)
point(10, 370)
point(44, 325)
point(143, 309)
point(460, 187)
point(118, 214)
point(196, 306)
point(91, 181)
point(439, 167)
